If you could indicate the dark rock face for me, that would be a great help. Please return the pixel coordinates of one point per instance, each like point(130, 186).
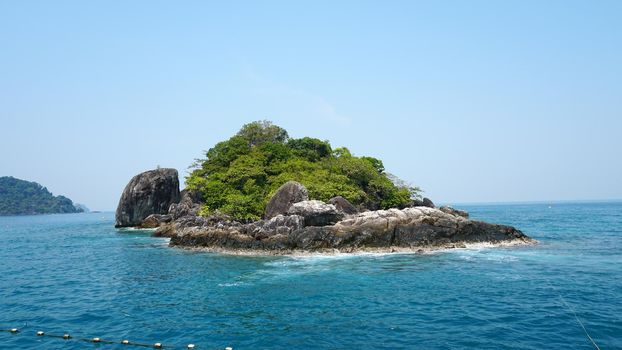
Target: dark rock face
point(427, 202)
point(343, 205)
point(190, 204)
point(453, 211)
point(191, 195)
point(316, 213)
point(151, 192)
point(410, 228)
point(291, 192)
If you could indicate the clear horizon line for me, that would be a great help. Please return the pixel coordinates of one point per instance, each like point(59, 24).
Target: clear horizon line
point(552, 201)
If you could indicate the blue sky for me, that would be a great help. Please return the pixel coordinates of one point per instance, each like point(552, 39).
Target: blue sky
point(474, 101)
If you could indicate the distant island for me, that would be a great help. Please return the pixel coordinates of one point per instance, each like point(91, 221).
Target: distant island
point(20, 197)
point(262, 192)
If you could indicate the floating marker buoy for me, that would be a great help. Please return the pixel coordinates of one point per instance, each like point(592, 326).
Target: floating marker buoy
point(228, 348)
point(68, 336)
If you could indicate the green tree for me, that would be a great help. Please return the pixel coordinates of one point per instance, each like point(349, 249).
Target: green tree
point(238, 176)
point(259, 132)
point(310, 148)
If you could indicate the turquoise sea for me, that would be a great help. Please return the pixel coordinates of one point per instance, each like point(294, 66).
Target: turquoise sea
point(75, 273)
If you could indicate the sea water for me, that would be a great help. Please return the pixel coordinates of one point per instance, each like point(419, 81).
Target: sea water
point(76, 274)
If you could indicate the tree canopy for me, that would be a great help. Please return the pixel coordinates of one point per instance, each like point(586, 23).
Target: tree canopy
point(19, 197)
point(237, 177)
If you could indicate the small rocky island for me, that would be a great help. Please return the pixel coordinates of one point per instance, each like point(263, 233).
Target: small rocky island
point(295, 218)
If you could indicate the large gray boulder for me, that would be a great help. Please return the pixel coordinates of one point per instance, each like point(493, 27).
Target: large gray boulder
point(316, 213)
point(427, 202)
point(343, 205)
point(151, 192)
point(291, 192)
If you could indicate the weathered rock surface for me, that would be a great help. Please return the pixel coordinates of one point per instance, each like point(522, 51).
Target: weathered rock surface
point(427, 202)
point(453, 211)
point(410, 228)
point(151, 192)
point(343, 205)
point(316, 213)
point(189, 204)
point(291, 192)
point(155, 220)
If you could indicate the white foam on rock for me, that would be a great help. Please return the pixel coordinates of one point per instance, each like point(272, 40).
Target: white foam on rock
point(336, 253)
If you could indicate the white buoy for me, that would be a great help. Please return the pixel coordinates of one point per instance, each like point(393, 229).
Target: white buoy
point(125, 342)
point(66, 336)
point(96, 340)
point(190, 346)
point(228, 348)
point(14, 330)
point(157, 345)
point(40, 333)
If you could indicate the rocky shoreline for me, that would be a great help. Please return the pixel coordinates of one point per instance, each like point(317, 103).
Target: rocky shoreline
point(295, 225)
point(360, 251)
point(393, 230)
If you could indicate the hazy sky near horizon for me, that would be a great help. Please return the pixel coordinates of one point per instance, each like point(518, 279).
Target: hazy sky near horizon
point(474, 101)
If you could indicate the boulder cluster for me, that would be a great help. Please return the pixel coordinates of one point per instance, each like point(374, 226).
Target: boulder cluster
point(293, 223)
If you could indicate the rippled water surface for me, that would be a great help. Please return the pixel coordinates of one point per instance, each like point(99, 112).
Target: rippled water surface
point(75, 273)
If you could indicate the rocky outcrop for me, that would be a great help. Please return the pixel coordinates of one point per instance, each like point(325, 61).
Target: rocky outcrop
point(343, 205)
point(425, 202)
point(295, 224)
point(316, 213)
point(453, 211)
point(189, 204)
point(291, 192)
point(151, 192)
point(155, 220)
point(388, 230)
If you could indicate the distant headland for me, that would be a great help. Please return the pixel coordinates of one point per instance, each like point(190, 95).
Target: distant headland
point(20, 197)
point(263, 192)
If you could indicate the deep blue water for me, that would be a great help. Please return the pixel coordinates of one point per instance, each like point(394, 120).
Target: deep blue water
point(75, 273)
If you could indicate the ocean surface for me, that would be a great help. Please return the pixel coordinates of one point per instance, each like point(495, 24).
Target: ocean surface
point(76, 274)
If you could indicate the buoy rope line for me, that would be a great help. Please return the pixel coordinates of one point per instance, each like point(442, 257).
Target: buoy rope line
point(574, 313)
point(67, 336)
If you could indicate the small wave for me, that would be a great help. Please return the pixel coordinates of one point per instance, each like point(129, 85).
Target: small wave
point(231, 284)
point(336, 254)
point(136, 229)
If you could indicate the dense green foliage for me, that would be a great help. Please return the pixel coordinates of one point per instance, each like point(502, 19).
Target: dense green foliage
point(238, 176)
point(19, 197)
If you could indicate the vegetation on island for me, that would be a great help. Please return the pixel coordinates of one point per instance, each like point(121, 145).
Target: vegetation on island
point(19, 197)
point(237, 177)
